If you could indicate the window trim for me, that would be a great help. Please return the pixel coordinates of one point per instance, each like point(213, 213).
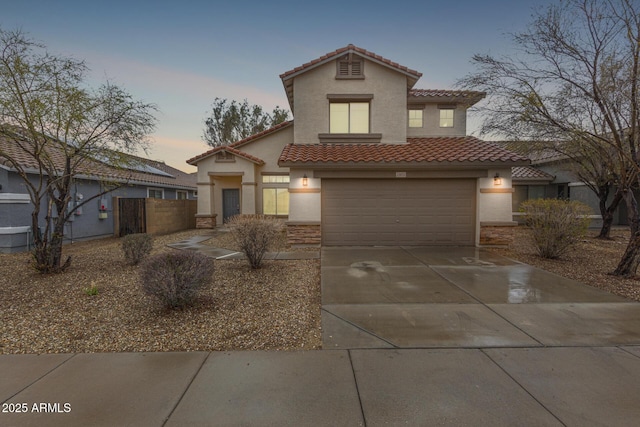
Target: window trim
point(453, 117)
point(421, 110)
point(161, 190)
point(276, 189)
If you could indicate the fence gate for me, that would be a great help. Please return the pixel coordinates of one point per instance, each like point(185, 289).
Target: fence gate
point(132, 216)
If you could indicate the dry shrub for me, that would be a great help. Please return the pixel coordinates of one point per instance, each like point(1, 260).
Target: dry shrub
point(136, 247)
point(556, 224)
point(254, 234)
point(175, 278)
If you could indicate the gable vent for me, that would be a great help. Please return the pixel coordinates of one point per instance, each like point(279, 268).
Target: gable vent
point(343, 68)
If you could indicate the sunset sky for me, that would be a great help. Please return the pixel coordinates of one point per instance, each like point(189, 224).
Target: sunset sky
point(182, 55)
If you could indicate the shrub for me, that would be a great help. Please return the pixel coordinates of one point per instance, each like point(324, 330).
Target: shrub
point(556, 224)
point(136, 247)
point(254, 234)
point(175, 278)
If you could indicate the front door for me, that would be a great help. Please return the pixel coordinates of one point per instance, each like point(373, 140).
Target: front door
point(230, 203)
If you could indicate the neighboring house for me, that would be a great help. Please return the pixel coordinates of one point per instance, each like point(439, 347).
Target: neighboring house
point(369, 160)
point(147, 178)
point(552, 175)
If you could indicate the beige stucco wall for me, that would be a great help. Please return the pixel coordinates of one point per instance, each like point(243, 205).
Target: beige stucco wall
point(495, 206)
point(431, 123)
point(388, 108)
point(215, 176)
point(304, 202)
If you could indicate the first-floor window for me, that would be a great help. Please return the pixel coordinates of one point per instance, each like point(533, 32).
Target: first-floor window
point(181, 195)
point(275, 201)
point(155, 193)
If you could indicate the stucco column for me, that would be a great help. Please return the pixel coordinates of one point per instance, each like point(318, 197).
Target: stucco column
point(495, 217)
point(205, 218)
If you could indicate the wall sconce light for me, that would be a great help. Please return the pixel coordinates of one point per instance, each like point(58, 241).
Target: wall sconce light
point(497, 180)
point(305, 180)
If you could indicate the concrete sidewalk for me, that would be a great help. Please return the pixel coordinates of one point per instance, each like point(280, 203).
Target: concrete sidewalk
point(577, 386)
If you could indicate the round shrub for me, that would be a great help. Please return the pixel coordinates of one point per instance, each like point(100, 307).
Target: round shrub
point(174, 278)
point(254, 234)
point(556, 224)
point(136, 247)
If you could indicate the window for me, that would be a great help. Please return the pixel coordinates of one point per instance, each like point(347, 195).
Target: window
point(275, 201)
point(155, 193)
point(181, 195)
point(415, 118)
point(349, 117)
point(446, 117)
point(275, 179)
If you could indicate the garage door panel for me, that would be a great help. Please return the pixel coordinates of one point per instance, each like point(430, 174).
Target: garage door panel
point(398, 212)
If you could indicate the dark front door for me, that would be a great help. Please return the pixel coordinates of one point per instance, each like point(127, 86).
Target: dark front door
point(230, 203)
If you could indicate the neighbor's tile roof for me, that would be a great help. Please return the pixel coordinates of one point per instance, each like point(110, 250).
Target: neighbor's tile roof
point(417, 150)
point(95, 169)
point(235, 145)
point(530, 173)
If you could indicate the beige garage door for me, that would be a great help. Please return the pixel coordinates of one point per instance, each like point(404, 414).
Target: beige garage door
point(398, 212)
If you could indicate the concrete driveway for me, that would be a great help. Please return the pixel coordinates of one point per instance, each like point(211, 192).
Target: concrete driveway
point(461, 297)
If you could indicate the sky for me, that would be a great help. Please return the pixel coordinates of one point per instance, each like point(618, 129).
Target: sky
point(181, 55)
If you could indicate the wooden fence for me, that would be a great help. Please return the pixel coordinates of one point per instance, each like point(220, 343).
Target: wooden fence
point(152, 216)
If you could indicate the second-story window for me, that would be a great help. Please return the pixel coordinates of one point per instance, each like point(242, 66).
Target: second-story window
point(415, 118)
point(446, 117)
point(349, 117)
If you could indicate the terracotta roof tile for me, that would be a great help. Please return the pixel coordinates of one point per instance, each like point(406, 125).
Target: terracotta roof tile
point(530, 173)
point(241, 142)
point(417, 150)
point(355, 49)
point(465, 96)
point(100, 170)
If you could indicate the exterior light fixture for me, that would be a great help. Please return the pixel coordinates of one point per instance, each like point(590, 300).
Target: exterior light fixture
point(497, 180)
point(305, 180)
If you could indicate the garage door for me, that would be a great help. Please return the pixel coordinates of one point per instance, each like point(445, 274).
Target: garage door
point(398, 212)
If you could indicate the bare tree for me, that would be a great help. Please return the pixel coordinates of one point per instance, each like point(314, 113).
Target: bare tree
point(55, 128)
point(232, 121)
point(574, 78)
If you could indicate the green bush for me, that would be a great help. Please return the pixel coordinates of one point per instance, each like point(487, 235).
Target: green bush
point(254, 234)
point(556, 224)
point(175, 278)
point(136, 247)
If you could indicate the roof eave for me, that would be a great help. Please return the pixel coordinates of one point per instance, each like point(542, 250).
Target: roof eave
point(405, 165)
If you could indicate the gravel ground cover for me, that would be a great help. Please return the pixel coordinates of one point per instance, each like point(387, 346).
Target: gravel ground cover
point(589, 262)
point(274, 308)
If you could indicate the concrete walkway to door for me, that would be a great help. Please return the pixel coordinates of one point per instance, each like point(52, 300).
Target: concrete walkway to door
point(461, 297)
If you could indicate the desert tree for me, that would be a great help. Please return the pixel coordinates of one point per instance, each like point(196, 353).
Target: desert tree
point(573, 77)
point(55, 127)
point(231, 121)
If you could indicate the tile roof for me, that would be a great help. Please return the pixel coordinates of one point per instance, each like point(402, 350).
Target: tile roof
point(530, 173)
point(347, 49)
point(287, 77)
point(437, 150)
point(95, 169)
point(196, 159)
point(467, 96)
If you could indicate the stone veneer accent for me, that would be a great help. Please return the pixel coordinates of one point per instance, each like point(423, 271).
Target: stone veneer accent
point(496, 234)
point(304, 234)
point(205, 221)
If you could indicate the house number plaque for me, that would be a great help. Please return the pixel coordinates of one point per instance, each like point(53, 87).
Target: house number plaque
point(401, 174)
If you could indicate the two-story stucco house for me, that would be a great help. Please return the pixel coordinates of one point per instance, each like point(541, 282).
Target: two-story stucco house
point(368, 160)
